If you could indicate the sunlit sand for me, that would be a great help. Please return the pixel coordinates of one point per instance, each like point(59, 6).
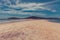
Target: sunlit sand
point(30, 30)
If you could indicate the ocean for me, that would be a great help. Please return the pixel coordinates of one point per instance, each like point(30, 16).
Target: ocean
point(28, 8)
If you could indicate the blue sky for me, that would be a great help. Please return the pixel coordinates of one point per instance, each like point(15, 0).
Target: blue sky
point(45, 8)
point(37, 1)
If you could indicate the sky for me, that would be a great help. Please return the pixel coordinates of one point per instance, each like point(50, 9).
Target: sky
point(43, 8)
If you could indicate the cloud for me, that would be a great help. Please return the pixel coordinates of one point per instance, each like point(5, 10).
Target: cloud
point(30, 6)
point(33, 6)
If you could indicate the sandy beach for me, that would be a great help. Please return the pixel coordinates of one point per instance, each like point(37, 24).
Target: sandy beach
point(30, 30)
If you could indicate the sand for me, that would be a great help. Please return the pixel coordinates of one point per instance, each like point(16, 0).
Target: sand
point(30, 30)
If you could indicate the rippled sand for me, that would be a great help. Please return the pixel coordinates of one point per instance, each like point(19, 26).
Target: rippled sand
point(30, 30)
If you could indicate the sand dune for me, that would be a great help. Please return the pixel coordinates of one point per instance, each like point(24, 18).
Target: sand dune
point(30, 30)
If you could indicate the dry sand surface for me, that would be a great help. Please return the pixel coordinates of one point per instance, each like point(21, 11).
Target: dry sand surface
point(30, 30)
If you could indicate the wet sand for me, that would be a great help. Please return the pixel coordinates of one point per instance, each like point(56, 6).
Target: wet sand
point(30, 30)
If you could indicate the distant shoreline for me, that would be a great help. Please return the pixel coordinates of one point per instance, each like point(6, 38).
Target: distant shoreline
point(15, 19)
point(31, 17)
point(22, 20)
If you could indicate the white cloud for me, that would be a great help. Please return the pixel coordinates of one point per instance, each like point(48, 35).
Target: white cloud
point(24, 5)
point(53, 10)
point(32, 6)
